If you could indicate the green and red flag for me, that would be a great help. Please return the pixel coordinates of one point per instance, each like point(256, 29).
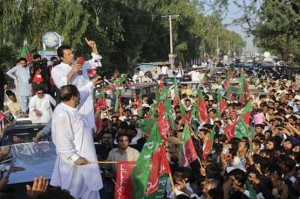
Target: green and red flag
point(118, 99)
point(187, 152)
point(246, 118)
point(164, 93)
point(146, 124)
point(229, 131)
point(150, 165)
point(176, 99)
point(164, 128)
point(163, 122)
point(241, 130)
point(222, 104)
point(209, 144)
point(159, 170)
point(246, 112)
point(152, 112)
point(237, 129)
point(194, 116)
point(247, 108)
point(169, 114)
point(25, 53)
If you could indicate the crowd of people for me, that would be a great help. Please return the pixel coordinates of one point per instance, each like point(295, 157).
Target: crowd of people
point(241, 152)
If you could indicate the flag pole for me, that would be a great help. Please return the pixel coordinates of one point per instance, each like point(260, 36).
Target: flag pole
point(172, 184)
point(104, 162)
point(200, 162)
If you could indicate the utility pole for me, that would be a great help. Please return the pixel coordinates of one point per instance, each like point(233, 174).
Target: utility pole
point(171, 55)
point(218, 50)
point(229, 51)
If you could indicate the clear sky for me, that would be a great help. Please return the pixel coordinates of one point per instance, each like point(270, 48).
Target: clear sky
point(233, 13)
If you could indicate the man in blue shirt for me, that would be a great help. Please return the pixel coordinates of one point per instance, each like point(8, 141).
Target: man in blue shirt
point(21, 73)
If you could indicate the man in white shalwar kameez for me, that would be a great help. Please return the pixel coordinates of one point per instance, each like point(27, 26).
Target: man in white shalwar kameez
point(65, 73)
point(76, 167)
point(40, 110)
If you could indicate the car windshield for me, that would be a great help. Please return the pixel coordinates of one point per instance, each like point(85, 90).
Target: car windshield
point(16, 136)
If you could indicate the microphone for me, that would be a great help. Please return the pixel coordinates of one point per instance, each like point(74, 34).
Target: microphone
point(80, 60)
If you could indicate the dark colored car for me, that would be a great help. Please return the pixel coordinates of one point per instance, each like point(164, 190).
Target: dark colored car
point(37, 158)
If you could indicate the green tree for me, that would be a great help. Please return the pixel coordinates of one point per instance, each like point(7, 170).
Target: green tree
point(279, 27)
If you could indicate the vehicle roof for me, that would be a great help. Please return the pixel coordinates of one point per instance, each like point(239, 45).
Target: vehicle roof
point(37, 158)
point(17, 126)
point(154, 63)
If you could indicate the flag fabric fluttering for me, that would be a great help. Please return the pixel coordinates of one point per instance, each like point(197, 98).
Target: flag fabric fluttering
point(25, 53)
point(146, 173)
point(176, 99)
point(202, 109)
point(241, 130)
point(229, 131)
point(160, 167)
point(118, 100)
point(222, 104)
point(168, 113)
point(209, 144)
point(123, 188)
point(246, 112)
point(187, 152)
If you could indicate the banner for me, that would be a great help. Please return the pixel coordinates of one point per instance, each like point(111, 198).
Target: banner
point(123, 188)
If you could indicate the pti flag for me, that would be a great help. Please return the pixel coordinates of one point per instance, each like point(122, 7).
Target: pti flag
point(25, 53)
point(151, 164)
point(123, 188)
point(187, 152)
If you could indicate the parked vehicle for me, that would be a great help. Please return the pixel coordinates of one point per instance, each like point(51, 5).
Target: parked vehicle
point(151, 67)
point(37, 158)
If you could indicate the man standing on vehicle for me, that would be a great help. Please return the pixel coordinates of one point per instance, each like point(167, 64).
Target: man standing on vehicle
point(76, 167)
point(65, 73)
point(179, 71)
point(21, 73)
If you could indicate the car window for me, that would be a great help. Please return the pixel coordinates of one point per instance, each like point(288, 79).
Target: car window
point(19, 135)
